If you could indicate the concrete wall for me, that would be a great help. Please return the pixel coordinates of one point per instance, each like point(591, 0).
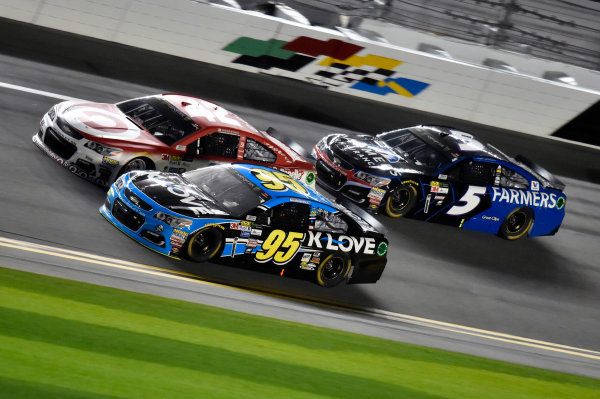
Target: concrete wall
point(341, 62)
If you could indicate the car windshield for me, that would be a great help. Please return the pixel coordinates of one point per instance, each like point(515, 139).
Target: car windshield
point(228, 188)
point(159, 117)
point(409, 146)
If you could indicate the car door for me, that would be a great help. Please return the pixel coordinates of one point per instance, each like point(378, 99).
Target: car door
point(282, 230)
point(466, 192)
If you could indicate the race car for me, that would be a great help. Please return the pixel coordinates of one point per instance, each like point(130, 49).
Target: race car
point(167, 132)
point(444, 175)
point(248, 216)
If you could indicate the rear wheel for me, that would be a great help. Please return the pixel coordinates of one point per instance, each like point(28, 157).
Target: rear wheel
point(333, 270)
point(401, 201)
point(517, 224)
point(204, 245)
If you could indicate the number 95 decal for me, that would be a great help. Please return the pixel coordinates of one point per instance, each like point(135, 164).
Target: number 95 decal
point(471, 199)
point(280, 246)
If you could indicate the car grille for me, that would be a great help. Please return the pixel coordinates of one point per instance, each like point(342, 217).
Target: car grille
point(58, 145)
point(329, 176)
point(355, 193)
point(88, 167)
point(129, 218)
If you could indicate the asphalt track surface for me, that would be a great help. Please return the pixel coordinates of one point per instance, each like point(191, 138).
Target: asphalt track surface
point(544, 289)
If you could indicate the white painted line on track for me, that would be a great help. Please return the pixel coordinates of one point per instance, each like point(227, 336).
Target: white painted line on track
point(35, 91)
point(172, 274)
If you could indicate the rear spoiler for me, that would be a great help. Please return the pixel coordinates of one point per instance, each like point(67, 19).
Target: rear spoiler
point(549, 177)
point(363, 214)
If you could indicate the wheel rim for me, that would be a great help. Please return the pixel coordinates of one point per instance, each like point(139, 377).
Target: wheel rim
point(200, 245)
point(332, 269)
point(399, 199)
point(136, 164)
point(516, 222)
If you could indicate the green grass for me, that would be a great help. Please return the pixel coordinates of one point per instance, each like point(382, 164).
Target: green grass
point(65, 339)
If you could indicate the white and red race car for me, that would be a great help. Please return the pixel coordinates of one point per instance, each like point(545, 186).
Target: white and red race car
point(166, 132)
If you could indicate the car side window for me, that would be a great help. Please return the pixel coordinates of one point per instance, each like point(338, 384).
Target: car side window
point(329, 222)
point(475, 173)
point(290, 216)
point(255, 151)
point(506, 177)
point(219, 144)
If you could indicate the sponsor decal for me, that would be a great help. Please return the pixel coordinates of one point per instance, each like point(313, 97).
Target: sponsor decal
point(410, 182)
point(442, 177)
point(175, 158)
point(251, 218)
point(165, 157)
point(173, 170)
point(376, 195)
point(245, 233)
point(308, 266)
point(178, 237)
point(523, 197)
point(256, 232)
point(181, 148)
point(491, 218)
point(382, 248)
point(109, 161)
point(306, 257)
point(344, 243)
point(228, 131)
point(535, 185)
point(252, 243)
point(234, 226)
point(159, 228)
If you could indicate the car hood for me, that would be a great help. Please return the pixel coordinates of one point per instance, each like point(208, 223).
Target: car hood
point(105, 121)
point(176, 194)
point(364, 153)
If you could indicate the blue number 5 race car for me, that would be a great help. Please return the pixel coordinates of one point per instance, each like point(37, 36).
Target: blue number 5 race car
point(248, 216)
point(442, 175)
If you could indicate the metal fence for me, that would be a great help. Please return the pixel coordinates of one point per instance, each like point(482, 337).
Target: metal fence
point(566, 31)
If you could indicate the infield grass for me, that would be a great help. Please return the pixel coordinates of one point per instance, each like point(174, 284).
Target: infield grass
point(66, 339)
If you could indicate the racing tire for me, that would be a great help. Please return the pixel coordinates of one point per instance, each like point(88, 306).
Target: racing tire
point(401, 201)
point(333, 270)
point(517, 224)
point(204, 245)
point(136, 164)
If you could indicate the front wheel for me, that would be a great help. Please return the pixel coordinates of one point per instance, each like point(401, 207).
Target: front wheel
point(136, 164)
point(204, 245)
point(517, 224)
point(401, 201)
point(333, 270)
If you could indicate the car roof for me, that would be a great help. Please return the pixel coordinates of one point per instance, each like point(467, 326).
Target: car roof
point(308, 196)
point(451, 141)
point(208, 114)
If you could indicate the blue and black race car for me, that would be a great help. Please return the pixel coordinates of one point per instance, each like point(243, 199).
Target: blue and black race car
point(248, 216)
point(444, 175)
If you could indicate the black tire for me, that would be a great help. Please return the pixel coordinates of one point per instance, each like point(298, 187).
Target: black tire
point(517, 224)
point(139, 163)
point(333, 270)
point(204, 244)
point(401, 201)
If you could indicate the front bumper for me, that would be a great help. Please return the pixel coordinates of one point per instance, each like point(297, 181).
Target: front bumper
point(72, 154)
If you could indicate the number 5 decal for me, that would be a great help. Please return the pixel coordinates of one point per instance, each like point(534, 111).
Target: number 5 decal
point(279, 239)
point(471, 199)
